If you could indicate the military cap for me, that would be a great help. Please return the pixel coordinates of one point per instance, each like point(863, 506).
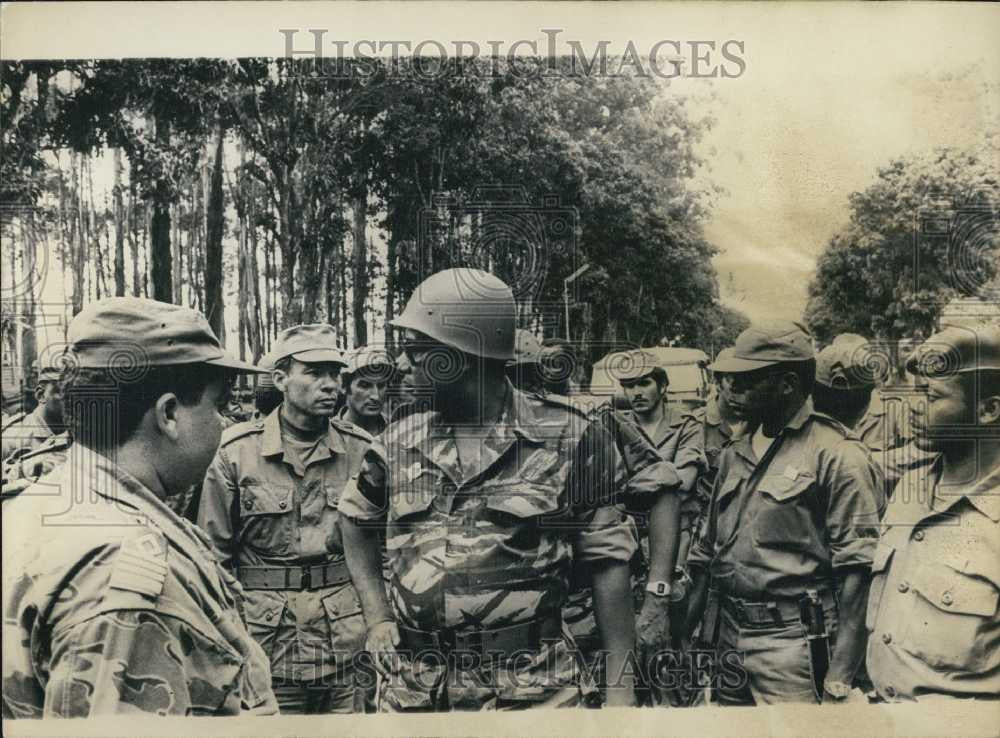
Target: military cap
point(527, 349)
point(127, 332)
point(633, 365)
point(765, 344)
point(46, 373)
point(957, 349)
point(310, 343)
point(376, 360)
point(844, 365)
point(723, 355)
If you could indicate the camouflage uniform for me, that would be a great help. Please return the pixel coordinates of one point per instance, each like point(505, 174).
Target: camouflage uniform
point(261, 511)
point(123, 610)
point(23, 469)
point(24, 433)
point(490, 551)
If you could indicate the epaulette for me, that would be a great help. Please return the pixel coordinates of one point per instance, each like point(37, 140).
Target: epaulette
point(832, 422)
point(240, 430)
point(59, 442)
point(15, 418)
point(345, 426)
point(140, 566)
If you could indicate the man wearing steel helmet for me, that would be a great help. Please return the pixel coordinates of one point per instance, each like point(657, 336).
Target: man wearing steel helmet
point(113, 603)
point(932, 611)
point(486, 501)
point(269, 503)
point(790, 533)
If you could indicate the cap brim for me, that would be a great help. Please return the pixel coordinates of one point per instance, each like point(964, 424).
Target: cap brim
point(318, 356)
point(736, 365)
point(242, 367)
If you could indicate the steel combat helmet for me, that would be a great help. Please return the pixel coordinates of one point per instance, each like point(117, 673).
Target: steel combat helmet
point(468, 309)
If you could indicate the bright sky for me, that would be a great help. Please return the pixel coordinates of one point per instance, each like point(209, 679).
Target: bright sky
point(831, 91)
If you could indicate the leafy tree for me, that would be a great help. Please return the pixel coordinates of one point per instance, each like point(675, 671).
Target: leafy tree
point(925, 231)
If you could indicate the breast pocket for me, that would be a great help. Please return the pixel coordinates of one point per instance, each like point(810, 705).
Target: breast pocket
point(523, 510)
point(410, 505)
point(954, 612)
point(266, 517)
point(783, 516)
point(880, 572)
point(346, 622)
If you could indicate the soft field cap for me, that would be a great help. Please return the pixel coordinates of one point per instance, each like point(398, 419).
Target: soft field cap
point(137, 332)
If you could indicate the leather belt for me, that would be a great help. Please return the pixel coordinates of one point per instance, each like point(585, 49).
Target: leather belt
point(296, 578)
point(527, 636)
point(780, 612)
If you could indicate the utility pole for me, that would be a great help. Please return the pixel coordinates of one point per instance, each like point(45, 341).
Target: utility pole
point(566, 283)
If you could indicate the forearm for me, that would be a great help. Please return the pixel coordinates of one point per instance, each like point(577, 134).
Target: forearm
point(664, 533)
point(849, 651)
point(364, 561)
point(615, 619)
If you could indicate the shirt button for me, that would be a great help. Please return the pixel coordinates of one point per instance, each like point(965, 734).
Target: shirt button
point(946, 599)
point(903, 586)
point(269, 617)
point(919, 535)
point(886, 638)
point(890, 691)
point(282, 505)
point(248, 504)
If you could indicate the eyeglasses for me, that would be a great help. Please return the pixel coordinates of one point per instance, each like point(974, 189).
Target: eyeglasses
point(416, 351)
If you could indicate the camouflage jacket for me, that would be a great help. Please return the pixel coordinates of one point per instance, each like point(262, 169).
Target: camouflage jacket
point(23, 433)
point(113, 604)
point(492, 546)
point(258, 508)
point(24, 468)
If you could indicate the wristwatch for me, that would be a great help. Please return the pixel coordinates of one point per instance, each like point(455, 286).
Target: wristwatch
point(659, 588)
point(837, 690)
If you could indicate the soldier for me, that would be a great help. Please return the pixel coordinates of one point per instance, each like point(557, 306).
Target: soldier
point(846, 390)
point(932, 610)
point(113, 604)
point(486, 501)
point(721, 425)
point(266, 396)
point(269, 504)
point(22, 470)
point(678, 437)
point(25, 432)
point(790, 532)
point(559, 364)
point(365, 379)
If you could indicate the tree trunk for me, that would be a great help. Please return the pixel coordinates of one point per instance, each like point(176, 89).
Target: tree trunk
point(359, 267)
point(163, 285)
point(119, 227)
point(213, 245)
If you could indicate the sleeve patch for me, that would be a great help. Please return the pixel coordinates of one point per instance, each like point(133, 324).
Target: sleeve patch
point(141, 566)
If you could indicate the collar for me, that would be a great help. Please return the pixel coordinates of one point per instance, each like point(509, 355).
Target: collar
point(272, 443)
point(107, 479)
point(984, 495)
point(744, 446)
point(35, 422)
point(516, 418)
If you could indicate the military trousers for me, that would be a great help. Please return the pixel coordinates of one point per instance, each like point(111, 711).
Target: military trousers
point(436, 682)
point(765, 664)
point(318, 698)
